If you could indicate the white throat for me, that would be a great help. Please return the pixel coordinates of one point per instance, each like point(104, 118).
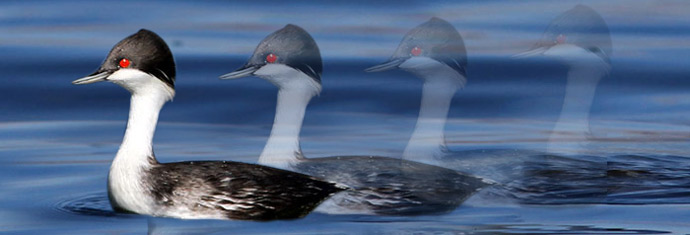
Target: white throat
point(572, 131)
point(135, 155)
point(283, 149)
point(427, 142)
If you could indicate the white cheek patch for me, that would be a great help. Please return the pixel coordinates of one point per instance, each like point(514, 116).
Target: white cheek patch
point(128, 75)
point(564, 50)
point(431, 70)
point(419, 62)
point(284, 76)
point(273, 71)
point(137, 81)
point(577, 56)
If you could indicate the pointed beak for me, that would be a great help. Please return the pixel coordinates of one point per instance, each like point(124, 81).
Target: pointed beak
point(531, 53)
point(98, 76)
point(388, 65)
point(244, 71)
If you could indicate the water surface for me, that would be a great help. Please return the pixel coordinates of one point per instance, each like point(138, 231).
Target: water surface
point(57, 140)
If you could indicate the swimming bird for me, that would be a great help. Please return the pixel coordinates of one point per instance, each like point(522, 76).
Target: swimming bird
point(143, 64)
point(290, 59)
point(580, 39)
point(434, 51)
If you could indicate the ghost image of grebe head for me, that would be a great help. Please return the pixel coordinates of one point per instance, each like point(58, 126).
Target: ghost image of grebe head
point(580, 39)
point(435, 52)
point(290, 59)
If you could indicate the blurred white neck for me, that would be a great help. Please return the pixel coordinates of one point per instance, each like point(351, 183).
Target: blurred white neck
point(295, 91)
point(572, 128)
point(427, 142)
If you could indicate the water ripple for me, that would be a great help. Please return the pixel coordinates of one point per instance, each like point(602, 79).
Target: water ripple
point(92, 204)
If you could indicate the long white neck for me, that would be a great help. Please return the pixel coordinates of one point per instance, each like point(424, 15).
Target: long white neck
point(136, 148)
point(282, 148)
point(428, 139)
point(572, 128)
point(296, 89)
point(126, 189)
point(427, 142)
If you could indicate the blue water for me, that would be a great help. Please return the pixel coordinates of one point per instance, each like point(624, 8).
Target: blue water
point(57, 140)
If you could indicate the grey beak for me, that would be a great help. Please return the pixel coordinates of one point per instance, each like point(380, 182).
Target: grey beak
point(244, 71)
point(391, 64)
point(96, 77)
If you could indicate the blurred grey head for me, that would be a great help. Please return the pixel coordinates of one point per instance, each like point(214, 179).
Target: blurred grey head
point(580, 26)
point(291, 46)
point(145, 51)
point(436, 39)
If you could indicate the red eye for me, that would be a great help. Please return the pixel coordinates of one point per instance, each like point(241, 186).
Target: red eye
point(416, 51)
point(124, 63)
point(270, 58)
point(560, 39)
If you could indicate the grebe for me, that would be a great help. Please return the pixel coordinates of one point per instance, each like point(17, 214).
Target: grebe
point(440, 46)
point(290, 59)
point(435, 52)
point(580, 39)
point(143, 64)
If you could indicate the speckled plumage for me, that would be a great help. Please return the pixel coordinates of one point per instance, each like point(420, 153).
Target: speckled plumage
point(389, 186)
point(137, 183)
point(236, 190)
point(379, 185)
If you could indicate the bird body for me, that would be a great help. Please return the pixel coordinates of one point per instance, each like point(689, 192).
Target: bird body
point(378, 185)
point(138, 183)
